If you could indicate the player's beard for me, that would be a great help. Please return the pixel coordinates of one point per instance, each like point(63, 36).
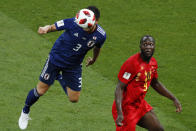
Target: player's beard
point(145, 57)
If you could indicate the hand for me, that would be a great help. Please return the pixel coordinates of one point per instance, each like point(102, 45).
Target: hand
point(119, 120)
point(44, 30)
point(178, 105)
point(89, 61)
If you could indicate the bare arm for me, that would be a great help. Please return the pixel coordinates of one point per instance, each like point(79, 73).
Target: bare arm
point(46, 29)
point(160, 88)
point(96, 52)
point(118, 99)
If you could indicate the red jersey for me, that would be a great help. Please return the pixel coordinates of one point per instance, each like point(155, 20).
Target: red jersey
point(137, 74)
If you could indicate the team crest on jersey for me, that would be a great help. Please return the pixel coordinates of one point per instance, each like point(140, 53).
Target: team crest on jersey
point(46, 76)
point(91, 43)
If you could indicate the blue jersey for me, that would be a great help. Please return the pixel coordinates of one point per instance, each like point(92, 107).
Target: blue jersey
point(71, 47)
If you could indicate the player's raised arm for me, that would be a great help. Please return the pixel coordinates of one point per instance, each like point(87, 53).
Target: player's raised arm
point(46, 29)
point(160, 88)
point(118, 99)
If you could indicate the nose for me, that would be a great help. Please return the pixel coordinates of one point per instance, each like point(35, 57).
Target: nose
point(149, 46)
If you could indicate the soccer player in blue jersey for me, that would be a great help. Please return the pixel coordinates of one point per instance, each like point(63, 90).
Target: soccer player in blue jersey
point(65, 58)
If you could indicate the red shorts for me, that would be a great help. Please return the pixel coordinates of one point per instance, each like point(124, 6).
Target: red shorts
point(132, 114)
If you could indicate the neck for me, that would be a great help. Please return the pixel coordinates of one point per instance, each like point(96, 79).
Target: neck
point(144, 58)
point(91, 30)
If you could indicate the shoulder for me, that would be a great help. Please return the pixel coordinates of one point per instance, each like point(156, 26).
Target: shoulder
point(132, 60)
point(65, 24)
point(68, 20)
point(153, 61)
point(72, 20)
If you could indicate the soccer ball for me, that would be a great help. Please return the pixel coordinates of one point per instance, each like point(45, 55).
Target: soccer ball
point(85, 18)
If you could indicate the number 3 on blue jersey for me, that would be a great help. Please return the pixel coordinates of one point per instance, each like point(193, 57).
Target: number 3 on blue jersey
point(77, 47)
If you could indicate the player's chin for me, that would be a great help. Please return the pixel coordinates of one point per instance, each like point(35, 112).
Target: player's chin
point(148, 55)
point(86, 29)
point(89, 28)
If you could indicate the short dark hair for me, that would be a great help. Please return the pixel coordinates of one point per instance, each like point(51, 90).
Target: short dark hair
point(95, 10)
point(147, 37)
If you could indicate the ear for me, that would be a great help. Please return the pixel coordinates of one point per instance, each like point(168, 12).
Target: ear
point(96, 22)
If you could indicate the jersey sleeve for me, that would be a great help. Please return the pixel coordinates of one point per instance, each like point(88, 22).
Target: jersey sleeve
point(127, 72)
point(100, 43)
point(64, 24)
point(102, 37)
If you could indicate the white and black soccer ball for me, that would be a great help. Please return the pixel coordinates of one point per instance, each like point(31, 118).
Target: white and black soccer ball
point(85, 18)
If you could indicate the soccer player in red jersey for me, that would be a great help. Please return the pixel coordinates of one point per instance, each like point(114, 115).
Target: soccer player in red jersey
point(135, 76)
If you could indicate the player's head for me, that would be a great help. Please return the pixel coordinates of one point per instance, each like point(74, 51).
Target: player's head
point(147, 47)
point(95, 10)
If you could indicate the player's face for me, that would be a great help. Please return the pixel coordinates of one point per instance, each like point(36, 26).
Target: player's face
point(91, 29)
point(147, 48)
